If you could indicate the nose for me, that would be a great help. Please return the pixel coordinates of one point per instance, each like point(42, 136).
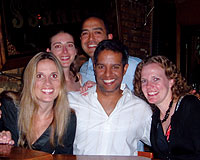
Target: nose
point(91, 36)
point(65, 50)
point(108, 72)
point(47, 81)
point(149, 84)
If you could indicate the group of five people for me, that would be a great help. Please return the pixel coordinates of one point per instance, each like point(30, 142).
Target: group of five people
point(53, 115)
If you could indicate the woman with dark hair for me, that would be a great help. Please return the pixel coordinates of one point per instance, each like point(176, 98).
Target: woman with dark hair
point(175, 130)
point(63, 47)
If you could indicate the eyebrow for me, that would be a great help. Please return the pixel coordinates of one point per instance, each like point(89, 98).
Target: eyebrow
point(116, 64)
point(61, 43)
point(97, 28)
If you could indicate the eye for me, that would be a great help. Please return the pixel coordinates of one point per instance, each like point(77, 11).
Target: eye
point(143, 81)
point(84, 34)
point(57, 46)
point(54, 75)
point(99, 66)
point(70, 45)
point(116, 66)
point(98, 32)
point(156, 79)
point(39, 76)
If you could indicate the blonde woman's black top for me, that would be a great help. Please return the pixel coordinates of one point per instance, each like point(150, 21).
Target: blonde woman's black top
point(9, 122)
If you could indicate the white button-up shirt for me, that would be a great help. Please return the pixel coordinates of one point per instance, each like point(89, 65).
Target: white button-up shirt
point(116, 134)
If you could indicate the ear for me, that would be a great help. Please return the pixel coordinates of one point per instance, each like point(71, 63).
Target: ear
point(48, 50)
point(94, 68)
point(110, 36)
point(171, 82)
point(125, 69)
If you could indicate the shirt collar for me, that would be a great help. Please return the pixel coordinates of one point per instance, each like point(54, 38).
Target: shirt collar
point(90, 63)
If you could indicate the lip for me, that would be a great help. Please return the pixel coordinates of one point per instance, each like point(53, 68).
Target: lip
point(47, 91)
point(109, 82)
point(92, 46)
point(65, 58)
point(153, 93)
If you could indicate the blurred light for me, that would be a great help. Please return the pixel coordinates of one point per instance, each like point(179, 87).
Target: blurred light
point(39, 17)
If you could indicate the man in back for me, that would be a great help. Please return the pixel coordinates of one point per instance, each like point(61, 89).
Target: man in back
point(110, 119)
point(94, 30)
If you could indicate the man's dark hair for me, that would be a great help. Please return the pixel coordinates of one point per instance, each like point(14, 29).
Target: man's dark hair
point(112, 45)
point(99, 17)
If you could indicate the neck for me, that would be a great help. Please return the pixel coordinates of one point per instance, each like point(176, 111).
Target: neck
point(164, 105)
point(115, 93)
point(92, 58)
point(109, 100)
point(167, 113)
point(67, 73)
point(105, 97)
point(45, 110)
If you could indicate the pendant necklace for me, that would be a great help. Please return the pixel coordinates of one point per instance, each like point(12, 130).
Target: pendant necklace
point(167, 112)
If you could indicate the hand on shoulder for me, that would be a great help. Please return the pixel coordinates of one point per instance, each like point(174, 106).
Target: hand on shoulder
point(86, 86)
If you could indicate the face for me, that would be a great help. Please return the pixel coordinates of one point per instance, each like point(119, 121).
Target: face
point(109, 71)
point(155, 84)
point(47, 83)
point(62, 45)
point(93, 32)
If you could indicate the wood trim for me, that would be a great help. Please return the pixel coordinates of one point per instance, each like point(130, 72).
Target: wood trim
point(2, 48)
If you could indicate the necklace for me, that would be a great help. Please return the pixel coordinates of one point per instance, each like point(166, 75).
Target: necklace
point(167, 112)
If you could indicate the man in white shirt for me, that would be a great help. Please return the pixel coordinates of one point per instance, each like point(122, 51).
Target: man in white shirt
point(110, 119)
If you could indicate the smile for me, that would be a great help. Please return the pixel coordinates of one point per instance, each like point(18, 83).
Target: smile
point(92, 45)
point(152, 93)
point(47, 90)
point(65, 58)
point(109, 81)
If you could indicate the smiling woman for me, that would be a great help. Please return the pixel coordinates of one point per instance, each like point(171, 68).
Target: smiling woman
point(44, 113)
point(47, 82)
point(175, 129)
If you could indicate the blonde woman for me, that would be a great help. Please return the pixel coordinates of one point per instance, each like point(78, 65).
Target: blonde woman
point(45, 121)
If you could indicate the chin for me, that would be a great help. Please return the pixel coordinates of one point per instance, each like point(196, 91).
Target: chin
point(152, 100)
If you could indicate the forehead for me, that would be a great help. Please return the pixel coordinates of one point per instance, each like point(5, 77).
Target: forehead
point(46, 64)
point(93, 23)
point(106, 56)
point(153, 68)
point(62, 37)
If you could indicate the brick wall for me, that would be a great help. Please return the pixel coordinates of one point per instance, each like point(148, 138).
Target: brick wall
point(135, 20)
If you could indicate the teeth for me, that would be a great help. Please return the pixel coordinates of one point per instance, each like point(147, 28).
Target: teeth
point(47, 90)
point(109, 81)
point(152, 93)
point(93, 45)
point(65, 58)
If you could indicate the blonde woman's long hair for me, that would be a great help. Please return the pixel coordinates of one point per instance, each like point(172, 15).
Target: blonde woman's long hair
point(29, 105)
